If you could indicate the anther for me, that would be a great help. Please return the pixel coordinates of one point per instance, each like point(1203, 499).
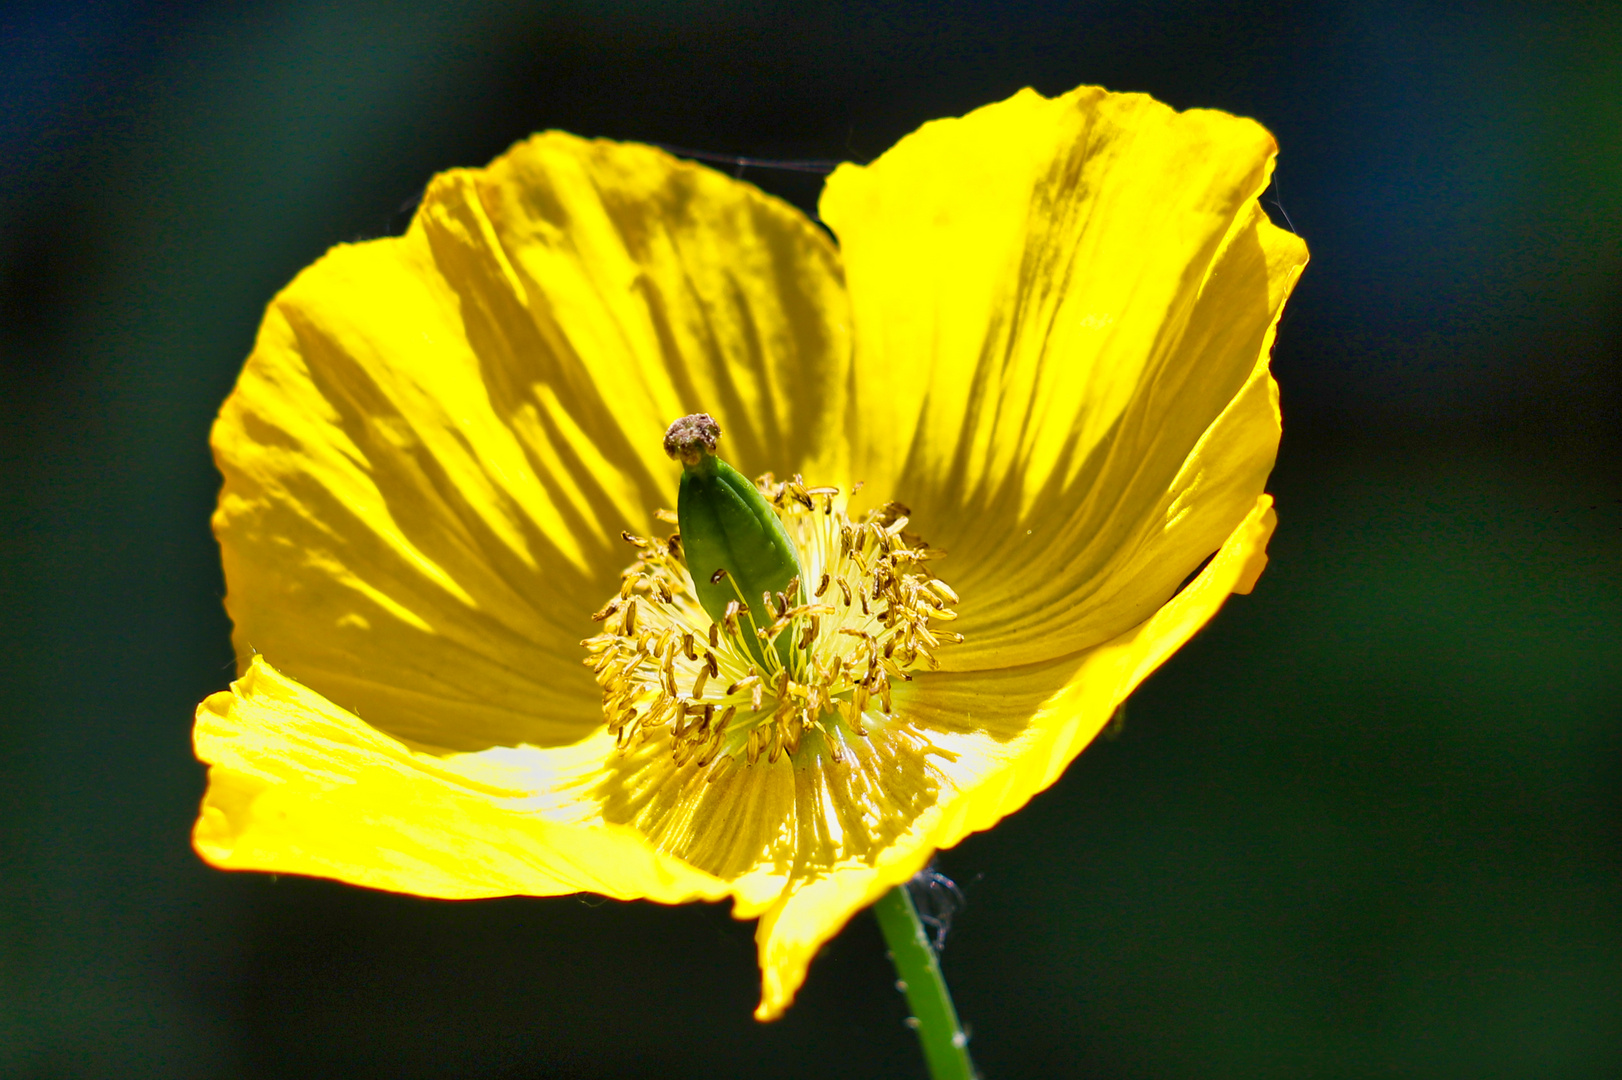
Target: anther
point(815, 675)
point(889, 512)
point(720, 769)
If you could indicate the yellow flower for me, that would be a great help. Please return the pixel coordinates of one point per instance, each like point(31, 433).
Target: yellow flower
point(1044, 329)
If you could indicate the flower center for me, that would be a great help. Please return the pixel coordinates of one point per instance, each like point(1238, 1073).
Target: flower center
point(810, 680)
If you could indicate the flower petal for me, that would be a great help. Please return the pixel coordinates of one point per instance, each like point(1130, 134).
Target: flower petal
point(790, 819)
point(300, 786)
point(1063, 312)
point(438, 439)
point(1006, 735)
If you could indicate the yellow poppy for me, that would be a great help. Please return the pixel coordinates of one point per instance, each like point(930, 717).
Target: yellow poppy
point(1041, 338)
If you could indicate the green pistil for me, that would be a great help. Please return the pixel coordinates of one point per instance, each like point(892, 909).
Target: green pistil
point(735, 544)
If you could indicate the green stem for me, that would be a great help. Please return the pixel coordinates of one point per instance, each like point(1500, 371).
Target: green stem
point(946, 1049)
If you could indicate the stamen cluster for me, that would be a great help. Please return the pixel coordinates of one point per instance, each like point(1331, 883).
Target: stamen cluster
point(825, 666)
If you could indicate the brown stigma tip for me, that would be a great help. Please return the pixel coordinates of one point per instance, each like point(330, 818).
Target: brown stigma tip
point(691, 438)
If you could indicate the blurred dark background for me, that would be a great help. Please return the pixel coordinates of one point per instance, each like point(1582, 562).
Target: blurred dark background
point(1369, 824)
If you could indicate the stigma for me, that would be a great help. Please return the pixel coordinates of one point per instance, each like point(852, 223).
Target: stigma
point(728, 691)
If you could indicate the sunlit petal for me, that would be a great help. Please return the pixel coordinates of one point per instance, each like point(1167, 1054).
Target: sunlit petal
point(1004, 737)
point(473, 665)
point(1056, 302)
point(300, 786)
point(432, 452)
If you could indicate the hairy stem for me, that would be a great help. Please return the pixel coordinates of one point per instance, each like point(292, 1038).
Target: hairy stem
point(946, 1049)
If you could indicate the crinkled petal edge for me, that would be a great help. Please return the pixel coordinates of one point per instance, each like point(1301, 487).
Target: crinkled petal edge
point(298, 785)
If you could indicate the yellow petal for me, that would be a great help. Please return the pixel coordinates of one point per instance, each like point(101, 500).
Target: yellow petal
point(774, 821)
point(1005, 736)
point(808, 915)
point(300, 786)
point(1005, 775)
point(1063, 312)
point(438, 439)
point(1063, 309)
